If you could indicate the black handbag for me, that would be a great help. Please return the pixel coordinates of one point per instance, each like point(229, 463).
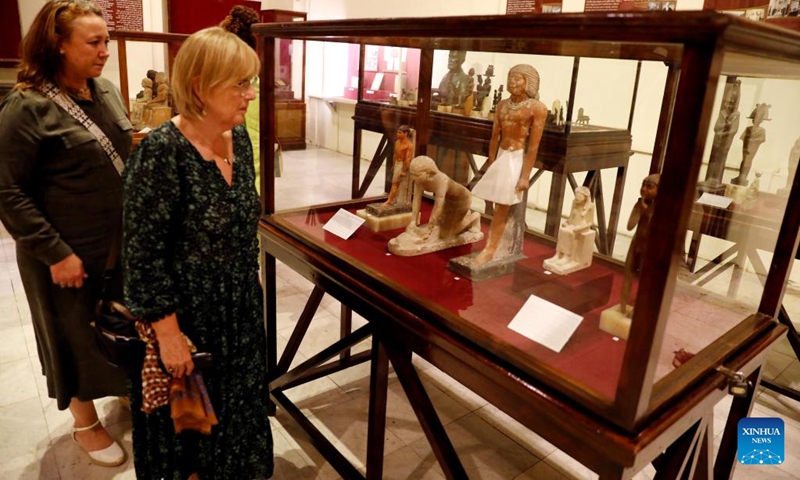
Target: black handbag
point(116, 335)
point(114, 325)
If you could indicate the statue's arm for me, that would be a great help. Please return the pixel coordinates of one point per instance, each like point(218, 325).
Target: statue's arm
point(538, 120)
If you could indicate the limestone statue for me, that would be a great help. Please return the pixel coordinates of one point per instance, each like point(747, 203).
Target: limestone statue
point(724, 130)
point(451, 222)
point(794, 159)
point(752, 138)
point(575, 237)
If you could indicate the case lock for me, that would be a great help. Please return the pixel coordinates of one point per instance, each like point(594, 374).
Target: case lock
point(738, 386)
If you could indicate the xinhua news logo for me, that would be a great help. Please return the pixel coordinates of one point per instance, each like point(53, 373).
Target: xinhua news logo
point(761, 441)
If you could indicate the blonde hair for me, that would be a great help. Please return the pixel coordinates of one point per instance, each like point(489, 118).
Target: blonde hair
point(207, 59)
point(40, 49)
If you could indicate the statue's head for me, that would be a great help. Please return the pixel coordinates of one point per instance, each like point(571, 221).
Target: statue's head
point(455, 59)
point(531, 77)
point(649, 188)
point(422, 166)
point(760, 113)
point(582, 194)
point(731, 95)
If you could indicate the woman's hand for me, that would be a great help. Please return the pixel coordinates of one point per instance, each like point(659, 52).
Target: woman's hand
point(68, 272)
point(173, 348)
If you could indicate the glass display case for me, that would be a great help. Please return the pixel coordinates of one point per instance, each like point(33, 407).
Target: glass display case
point(290, 82)
point(632, 341)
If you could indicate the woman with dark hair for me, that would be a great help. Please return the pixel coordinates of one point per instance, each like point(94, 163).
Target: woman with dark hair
point(64, 136)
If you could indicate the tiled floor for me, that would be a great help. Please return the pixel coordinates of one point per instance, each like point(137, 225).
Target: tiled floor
point(35, 441)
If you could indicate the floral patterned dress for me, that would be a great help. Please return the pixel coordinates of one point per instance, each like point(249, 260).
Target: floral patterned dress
point(190, 247)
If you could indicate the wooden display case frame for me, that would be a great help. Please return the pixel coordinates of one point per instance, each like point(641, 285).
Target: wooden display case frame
point(291, 124)
point(645, 418)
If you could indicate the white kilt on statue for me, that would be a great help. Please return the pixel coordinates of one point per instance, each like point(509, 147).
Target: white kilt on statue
point(499, 183)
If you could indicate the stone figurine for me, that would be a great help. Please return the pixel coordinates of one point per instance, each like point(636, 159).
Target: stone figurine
point(516, 133)
point(575, 237)
point(752, 138)
point(794, 159)
point(640, 218)
point(724, 130)
point(455, 81)
point(451, 223)
point(616, 320)
point(400, 194)
point(153, 105)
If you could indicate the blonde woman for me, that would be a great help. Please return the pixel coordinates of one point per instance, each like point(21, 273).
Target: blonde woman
point(190, 253)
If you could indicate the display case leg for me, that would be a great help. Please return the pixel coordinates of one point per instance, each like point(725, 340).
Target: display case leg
point(688, 457)
point(378, 386)
point(740, 408)
point(345, 327)
point(300, 330)
point(426, 414)
point(794, 342)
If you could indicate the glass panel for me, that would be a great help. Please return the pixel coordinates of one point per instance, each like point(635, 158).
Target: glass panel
point(148, 85)
point(391, 74)
point(749, 163)
point(605, 141)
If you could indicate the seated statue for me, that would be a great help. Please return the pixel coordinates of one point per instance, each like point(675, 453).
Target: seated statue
point(575, 237)
point(138, 107)
point(151, 110)
point(451, 223)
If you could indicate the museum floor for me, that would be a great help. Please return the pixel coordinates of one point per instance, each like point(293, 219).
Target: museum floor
point(35, 441)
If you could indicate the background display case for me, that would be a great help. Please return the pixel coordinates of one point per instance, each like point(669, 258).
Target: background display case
point(652, 86)
point(290, 83)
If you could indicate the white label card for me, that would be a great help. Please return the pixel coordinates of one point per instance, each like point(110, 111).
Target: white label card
point(545, 322)
point(343, 224)
point(712, 200)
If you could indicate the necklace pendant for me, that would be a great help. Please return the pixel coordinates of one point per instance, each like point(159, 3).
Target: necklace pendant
point(225, 159)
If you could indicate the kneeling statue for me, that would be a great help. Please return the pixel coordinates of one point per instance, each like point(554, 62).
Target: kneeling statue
point(451, 223)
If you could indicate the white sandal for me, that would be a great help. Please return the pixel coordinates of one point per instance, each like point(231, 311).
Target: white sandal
point(111, 456)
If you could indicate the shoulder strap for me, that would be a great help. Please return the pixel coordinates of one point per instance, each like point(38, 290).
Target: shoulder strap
point(68, 104)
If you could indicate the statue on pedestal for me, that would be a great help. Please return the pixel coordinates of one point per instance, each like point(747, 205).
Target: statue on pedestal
point(616, 320)
point(794, 159)
point(517, 131)
point(451, 223)
point(724, 130)
point(152, 109)
point(400, 193)
point(455, 82)
point(752, 138)
point(575, 237)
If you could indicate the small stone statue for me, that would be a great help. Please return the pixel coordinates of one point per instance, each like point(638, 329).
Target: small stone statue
point(484, 87)
point(724, 130)
point(794, 159)
point(752, 139)
point(455, 81)
point(640, 218)
point(498, 95)
point(150, 110)
point(451, 223)
point(575, 237)
point(616, 320)
point(400, 193)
